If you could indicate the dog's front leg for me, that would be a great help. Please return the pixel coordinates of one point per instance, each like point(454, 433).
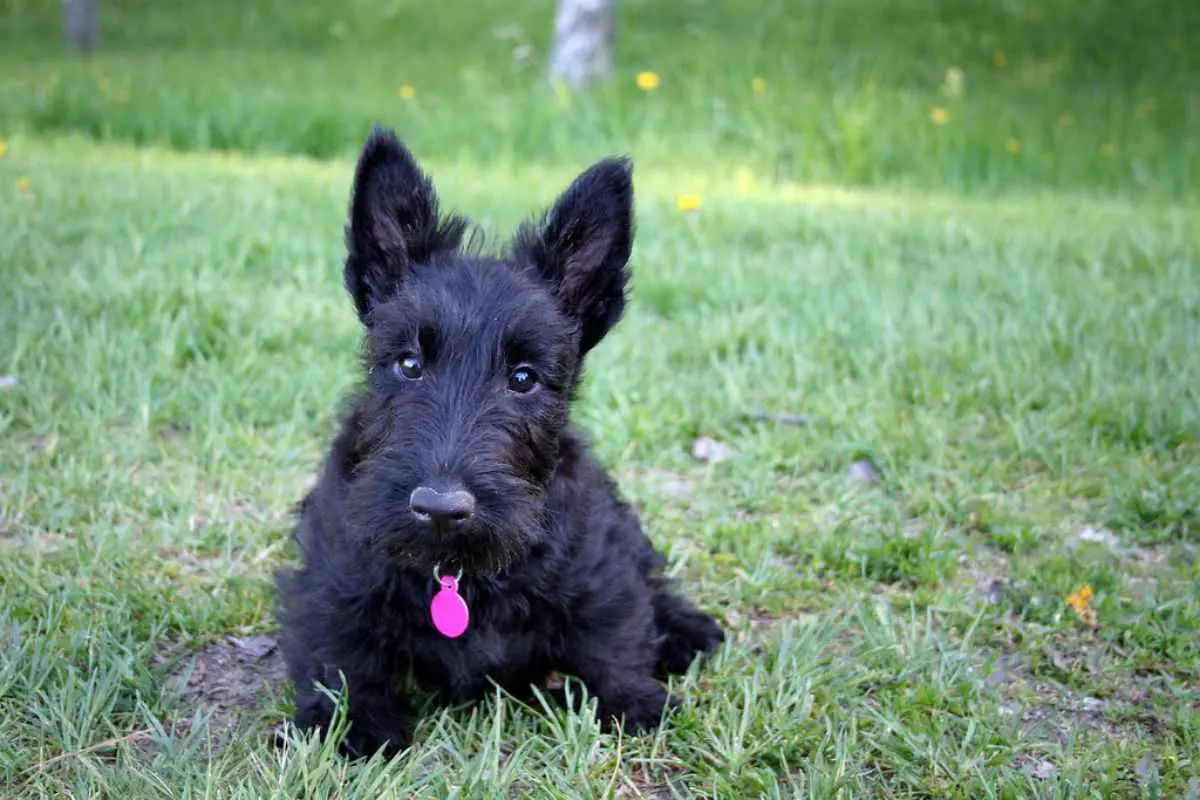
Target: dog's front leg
point(377, 716)
point(615, 656)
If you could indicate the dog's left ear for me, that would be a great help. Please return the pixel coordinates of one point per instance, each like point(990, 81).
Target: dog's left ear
point(582, 247)
point(394, 222)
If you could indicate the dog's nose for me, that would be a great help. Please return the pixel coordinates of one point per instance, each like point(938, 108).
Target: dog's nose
point(446, 509)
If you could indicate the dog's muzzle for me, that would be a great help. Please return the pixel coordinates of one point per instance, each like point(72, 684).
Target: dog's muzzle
point(444, 511)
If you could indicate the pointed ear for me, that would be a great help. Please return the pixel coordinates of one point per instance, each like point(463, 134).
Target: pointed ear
point(581, 247)
point(393, 221)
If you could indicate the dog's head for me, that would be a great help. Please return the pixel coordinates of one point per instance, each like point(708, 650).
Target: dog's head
point(471, 362)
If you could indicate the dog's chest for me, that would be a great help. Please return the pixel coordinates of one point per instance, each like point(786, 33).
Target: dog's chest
point(508, 637)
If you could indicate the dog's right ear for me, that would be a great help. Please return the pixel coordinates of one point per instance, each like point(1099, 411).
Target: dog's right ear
point(394, 222)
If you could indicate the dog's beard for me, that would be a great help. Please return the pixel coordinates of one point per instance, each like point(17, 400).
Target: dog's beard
point(477, 551)
point(510, 518)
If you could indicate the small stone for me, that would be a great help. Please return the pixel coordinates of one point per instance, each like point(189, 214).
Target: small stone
point(670, 483)
point(709, 450)
point(254, 648)
point(1042, 769)
point(1099, 536)
point(863, 472)
point(992, 590)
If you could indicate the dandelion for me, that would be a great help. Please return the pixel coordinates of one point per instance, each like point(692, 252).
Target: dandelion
point(1081, 598)
point(1108, 149)
point(406, 92)
point(939, 116)
point(23, 183)
point(1065, 119)
point(3, 148)
point(758, 85)
point(1013, 146)
point(648, 81)
point(1080, 602)
point(1000, 58)
point(689, 202)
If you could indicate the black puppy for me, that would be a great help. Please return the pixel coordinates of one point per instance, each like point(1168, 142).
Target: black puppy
point(460, 531)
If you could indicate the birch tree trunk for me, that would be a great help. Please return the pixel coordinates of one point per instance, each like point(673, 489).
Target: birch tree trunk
point(81, 24)
point(583, 40)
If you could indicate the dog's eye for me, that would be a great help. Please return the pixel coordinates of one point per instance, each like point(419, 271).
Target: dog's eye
point(408, 368)
point(522, 380)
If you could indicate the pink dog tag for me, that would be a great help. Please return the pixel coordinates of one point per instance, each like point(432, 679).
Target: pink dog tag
point(449, 610)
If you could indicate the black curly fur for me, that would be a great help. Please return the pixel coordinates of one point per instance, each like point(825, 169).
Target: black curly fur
point(556, 570)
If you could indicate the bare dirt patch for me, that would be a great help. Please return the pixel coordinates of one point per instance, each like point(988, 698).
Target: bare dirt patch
point(1049, 711)
point(665, 482)
point(229, 681)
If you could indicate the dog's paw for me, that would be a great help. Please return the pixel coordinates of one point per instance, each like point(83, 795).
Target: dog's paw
point(366, 734)
point(689, 636)
point(638, 711)
point(364, 743)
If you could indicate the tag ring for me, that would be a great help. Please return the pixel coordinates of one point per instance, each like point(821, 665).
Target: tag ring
point(438, 577)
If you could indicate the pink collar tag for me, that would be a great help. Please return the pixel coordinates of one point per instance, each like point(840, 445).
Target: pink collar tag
point(449, 610)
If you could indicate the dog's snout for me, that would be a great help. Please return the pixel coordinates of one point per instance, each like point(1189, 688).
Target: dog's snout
point(446, 509)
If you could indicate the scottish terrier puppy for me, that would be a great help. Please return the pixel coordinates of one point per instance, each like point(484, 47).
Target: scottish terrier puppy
point(460, 532)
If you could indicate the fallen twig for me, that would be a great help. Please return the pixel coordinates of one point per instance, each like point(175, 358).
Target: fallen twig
point(107, 743)
point(783, 419)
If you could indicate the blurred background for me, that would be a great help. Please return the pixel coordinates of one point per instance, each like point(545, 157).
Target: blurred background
point(1095, 95)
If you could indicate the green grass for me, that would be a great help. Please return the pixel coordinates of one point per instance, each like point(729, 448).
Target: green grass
point(1011, 342)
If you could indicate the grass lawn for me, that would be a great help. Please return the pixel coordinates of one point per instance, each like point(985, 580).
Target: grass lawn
point(1007, 332)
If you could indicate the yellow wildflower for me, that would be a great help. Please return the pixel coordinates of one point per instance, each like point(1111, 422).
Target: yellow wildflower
point(23, 183)
point(1013, 146)
point(1000, 58)
point(1065, 119)
point(406, 92)
point(648, 81)
point(758, 85)
point(1081, 598)
point(1080, 602)
point(939, 116)
point(689, 202)
point(1108, 149)
point(3, 148)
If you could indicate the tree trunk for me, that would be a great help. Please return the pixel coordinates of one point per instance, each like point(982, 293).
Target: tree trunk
point(81, 24)
point(583, 40)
